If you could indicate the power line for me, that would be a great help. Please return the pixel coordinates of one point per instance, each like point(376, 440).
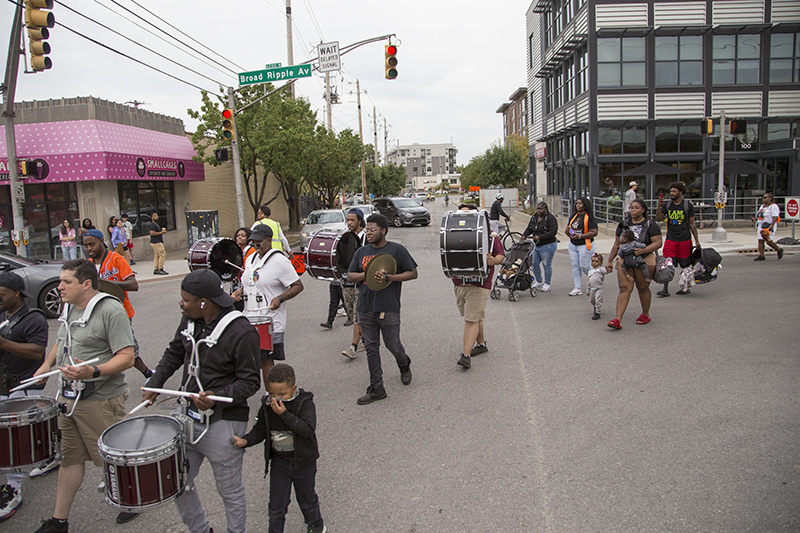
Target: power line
point(314, 19)
point(176, 39)
point(98, 43)
point(189, 36)
point(140, 44)
point(154, 34)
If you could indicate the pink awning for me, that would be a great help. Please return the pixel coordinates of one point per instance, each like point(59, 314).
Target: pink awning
point(84, 150)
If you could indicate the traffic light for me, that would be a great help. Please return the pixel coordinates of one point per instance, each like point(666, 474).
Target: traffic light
point(737, 127)
point(391, 61)
point(37, 22)
point(227, 124)
point(708, 126)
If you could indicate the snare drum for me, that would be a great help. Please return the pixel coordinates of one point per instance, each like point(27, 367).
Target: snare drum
point(464, 243)
point(143, 460)
point(29, 434)
point(212, 254)
point(326, 253)
point(263, 325)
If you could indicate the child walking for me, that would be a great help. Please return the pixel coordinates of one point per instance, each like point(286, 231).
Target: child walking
point(594, 289)
point(287, 423)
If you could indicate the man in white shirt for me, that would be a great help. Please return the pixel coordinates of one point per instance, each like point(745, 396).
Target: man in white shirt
point(630, 195)
point(268, 280)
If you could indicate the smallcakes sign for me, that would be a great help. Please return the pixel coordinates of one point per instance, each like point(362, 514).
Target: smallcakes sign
point(160, 168)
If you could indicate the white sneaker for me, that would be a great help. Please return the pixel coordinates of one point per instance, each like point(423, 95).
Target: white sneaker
point(575, 292)
point(546, 287)
point(361, 346)
point(10, 500)
point(538, 285)
point(101, 487)
point(46, 469)
point(349, 352)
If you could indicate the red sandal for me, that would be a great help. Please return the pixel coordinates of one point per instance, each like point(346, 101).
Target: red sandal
point(614, 323)
point(643, 319)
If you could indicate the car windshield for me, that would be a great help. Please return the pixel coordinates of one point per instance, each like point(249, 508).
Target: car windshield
point(405, 202)
point(328, 217)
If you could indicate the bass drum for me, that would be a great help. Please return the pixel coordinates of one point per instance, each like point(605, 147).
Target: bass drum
point(464, 243)
point(328, 254)
point(212, 254)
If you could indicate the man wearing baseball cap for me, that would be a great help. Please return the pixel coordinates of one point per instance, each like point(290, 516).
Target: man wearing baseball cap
point(227, 368)
point(23, 340)
point(630, 195)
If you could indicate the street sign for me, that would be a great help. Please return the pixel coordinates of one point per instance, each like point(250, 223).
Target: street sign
point(793, 208)
point(329, 59)
point(273, 65)
point(275, 74)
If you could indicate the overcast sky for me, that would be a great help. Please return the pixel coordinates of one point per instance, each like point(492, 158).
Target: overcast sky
point(457, 62)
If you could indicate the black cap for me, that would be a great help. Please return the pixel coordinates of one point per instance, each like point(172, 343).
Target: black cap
point(261, 232)
point(12, 281)
point(206, 284)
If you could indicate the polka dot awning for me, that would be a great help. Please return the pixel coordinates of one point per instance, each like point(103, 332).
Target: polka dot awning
point(84, 150)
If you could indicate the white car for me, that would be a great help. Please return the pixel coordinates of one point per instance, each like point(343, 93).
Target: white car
point(321, 219)
point(367, 209)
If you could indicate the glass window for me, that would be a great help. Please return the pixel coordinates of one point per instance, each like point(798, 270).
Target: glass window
point(666, 138)
point(778, 131)
point(679, 60)
point(736, 59)
point(621, 62)
point(784, 66)
point(609, 140)
point(690, 139)
point(634, 140)
point(140, 199)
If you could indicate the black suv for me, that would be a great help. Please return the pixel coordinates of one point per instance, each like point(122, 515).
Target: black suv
point(402, 211)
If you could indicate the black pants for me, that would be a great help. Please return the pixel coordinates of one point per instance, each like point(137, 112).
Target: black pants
point(282, 474)
point(336, 297)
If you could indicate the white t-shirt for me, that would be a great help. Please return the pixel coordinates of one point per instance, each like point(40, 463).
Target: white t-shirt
point(272, 275)
point(630, 195)
point(767, 214)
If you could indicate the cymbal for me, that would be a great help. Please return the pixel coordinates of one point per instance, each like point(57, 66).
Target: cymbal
point(111, 288)
point(379, 262)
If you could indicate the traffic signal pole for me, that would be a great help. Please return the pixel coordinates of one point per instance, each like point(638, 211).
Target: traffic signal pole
point(720, 234)
point(237, 169)
point(9, 89)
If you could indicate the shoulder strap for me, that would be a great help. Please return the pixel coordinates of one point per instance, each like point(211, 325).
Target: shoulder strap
point(87, 312)
point(223, 323)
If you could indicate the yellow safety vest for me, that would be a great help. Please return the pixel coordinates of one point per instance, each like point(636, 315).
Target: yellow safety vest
point(277, 243)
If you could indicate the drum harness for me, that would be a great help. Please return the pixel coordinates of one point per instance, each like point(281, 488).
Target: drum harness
point(7, 381)
point(250, 287)
point(192, 370)
point(74, 390)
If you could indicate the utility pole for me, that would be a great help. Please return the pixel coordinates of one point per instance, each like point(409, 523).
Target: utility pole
point(328, 115)
point(289, 48)
point(361, 138)
point(385, 143)
point(17, 189)
point(237, 169)
point(720, 234)
point(375, 127)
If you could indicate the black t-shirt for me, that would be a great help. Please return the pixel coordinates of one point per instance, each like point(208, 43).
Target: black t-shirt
point(159, 238)
point(30, 329)
point(677, 220)
point(388, 299)
point(578, 223)
point(644, 232)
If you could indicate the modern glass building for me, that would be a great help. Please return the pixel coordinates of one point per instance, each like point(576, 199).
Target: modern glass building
point(613, 85)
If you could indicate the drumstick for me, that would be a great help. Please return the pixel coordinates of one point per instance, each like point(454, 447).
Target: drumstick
point(30, 381)
point(234, 265)
point(139, 407)
point(171, 392)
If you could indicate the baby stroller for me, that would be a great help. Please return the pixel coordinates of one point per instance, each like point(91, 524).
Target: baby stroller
point(710, 259)
point(517, 277)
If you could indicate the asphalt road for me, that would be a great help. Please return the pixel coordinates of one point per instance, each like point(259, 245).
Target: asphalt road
point(688, 424)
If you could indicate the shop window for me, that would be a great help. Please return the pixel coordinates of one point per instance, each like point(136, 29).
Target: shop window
point(736, 59)
point(46, 206)
point(690, 139)
point(630, 140)
point(621, 62)
point(140, 199)
point(679, 60)
point(666, 138)
point(778, 131)
point(784, 53)
point(609, 140)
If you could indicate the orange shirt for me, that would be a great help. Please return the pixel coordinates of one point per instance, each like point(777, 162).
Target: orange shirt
point(116, 268)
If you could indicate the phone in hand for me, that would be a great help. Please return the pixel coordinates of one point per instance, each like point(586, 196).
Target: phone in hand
point(661, 196)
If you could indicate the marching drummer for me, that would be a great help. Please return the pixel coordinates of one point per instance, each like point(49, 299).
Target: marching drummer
point(95, 394)
point(23, 339)
point(227, 368)
point(268, 281)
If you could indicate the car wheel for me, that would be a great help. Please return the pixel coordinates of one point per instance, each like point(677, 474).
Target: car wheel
point(426, 222)
point(50, 300)
point(397, 222)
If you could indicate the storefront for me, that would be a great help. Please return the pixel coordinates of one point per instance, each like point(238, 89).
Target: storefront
point(95, 169)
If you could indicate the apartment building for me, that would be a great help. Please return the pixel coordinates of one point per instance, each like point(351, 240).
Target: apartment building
point(613, 85)
point(424, 159)
point(515, 114)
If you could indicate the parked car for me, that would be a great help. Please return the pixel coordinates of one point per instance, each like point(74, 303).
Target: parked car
point(402, 211)
point(420, 196)
point(41, 281)
point(321, 219)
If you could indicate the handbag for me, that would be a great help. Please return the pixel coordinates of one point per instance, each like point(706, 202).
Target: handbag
point(665, 271)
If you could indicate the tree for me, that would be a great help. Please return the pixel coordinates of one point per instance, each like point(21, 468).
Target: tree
point(333, 160)
point(388, 180)
point(499, 166)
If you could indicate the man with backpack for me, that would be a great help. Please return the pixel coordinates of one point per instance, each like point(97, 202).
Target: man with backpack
point(679, 213)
